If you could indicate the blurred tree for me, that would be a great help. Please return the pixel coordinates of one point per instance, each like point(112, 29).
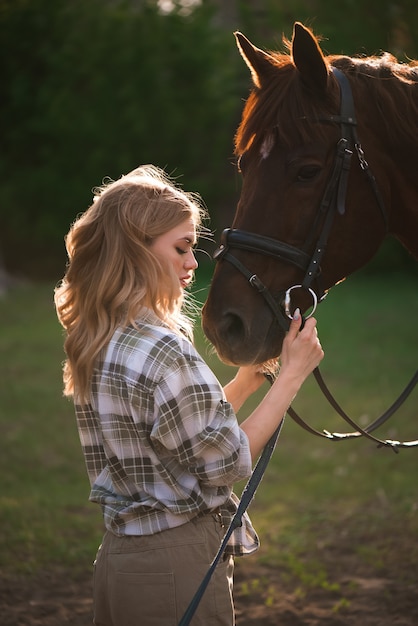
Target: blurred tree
point(94, 89)
point(91, 89)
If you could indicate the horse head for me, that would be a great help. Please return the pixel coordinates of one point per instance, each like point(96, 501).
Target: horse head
point(303, 186)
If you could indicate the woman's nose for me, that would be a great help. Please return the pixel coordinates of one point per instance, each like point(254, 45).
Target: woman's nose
point(191, 262)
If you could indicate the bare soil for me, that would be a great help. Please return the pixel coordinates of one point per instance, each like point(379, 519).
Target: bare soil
point(263, 596)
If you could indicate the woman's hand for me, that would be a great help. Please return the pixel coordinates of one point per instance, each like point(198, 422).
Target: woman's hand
point(301, 351)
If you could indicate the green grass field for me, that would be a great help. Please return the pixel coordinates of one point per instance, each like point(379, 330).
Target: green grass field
point(313, 488)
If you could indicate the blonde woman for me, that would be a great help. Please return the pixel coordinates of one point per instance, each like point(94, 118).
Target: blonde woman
point(160, 437)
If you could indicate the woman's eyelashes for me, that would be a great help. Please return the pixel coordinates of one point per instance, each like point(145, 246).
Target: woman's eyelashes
point(189, 248)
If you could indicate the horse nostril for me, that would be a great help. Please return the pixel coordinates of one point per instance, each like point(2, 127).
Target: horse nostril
point(233, 326)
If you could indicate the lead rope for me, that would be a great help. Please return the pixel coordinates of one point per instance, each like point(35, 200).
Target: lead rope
point(246, 498)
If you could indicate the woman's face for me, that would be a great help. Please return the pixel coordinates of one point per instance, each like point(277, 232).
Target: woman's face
point(176, 248)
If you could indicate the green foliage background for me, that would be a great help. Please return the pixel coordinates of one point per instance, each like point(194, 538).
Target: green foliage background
point(92, 89)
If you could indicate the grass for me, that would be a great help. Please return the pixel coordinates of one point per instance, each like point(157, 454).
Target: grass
point(44, 514)
point(314, 490)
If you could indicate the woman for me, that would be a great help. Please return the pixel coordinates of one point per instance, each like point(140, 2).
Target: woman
point(161, 441)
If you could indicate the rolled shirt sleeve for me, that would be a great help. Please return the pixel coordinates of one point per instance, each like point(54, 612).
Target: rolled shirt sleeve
point(198, 427)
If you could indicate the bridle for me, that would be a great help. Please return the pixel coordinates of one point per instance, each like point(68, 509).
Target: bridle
point(333, 202)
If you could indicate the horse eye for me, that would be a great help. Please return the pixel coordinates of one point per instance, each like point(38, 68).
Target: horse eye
point(308, 173)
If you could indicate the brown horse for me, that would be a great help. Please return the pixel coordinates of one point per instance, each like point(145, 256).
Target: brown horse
point(316, 203)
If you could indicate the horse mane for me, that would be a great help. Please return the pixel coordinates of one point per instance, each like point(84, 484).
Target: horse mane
point(394, 94)
point(285, 106)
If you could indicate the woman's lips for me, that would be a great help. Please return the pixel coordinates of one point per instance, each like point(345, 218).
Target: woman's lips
point(185, 281)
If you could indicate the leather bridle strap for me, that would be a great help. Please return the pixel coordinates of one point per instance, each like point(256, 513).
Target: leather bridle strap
point(332, 198)
point(348, 122)
point(359, 431)
point(257, 284)
point(243, 240)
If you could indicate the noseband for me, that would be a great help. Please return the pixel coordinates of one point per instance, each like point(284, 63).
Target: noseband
point(333, 201)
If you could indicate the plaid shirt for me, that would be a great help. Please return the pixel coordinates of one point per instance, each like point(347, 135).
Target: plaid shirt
point(161, 443)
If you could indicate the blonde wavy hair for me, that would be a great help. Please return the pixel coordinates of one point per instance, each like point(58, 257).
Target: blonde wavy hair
point(112, 273)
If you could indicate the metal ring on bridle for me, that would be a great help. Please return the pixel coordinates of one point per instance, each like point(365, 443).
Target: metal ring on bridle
point(287, 301)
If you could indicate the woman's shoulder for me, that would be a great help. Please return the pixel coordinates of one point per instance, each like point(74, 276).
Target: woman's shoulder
point(150, 345)
point(147, 354)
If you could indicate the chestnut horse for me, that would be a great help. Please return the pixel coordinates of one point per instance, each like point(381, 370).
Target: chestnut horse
point(316, 203)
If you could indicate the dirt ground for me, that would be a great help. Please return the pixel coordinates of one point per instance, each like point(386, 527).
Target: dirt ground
point(263, 597)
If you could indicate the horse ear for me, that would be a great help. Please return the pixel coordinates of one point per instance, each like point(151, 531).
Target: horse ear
point(308, 58)
point(259, 62)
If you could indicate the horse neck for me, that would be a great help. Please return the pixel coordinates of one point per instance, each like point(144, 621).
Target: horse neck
point(388, 131)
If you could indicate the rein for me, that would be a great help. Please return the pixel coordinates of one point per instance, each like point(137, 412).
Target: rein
point(246, 498)
point(333, 201)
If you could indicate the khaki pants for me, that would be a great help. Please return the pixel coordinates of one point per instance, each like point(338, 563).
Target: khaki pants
point(150, 580)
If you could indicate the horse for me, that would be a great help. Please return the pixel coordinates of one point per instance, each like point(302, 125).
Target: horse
point(316, 203)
